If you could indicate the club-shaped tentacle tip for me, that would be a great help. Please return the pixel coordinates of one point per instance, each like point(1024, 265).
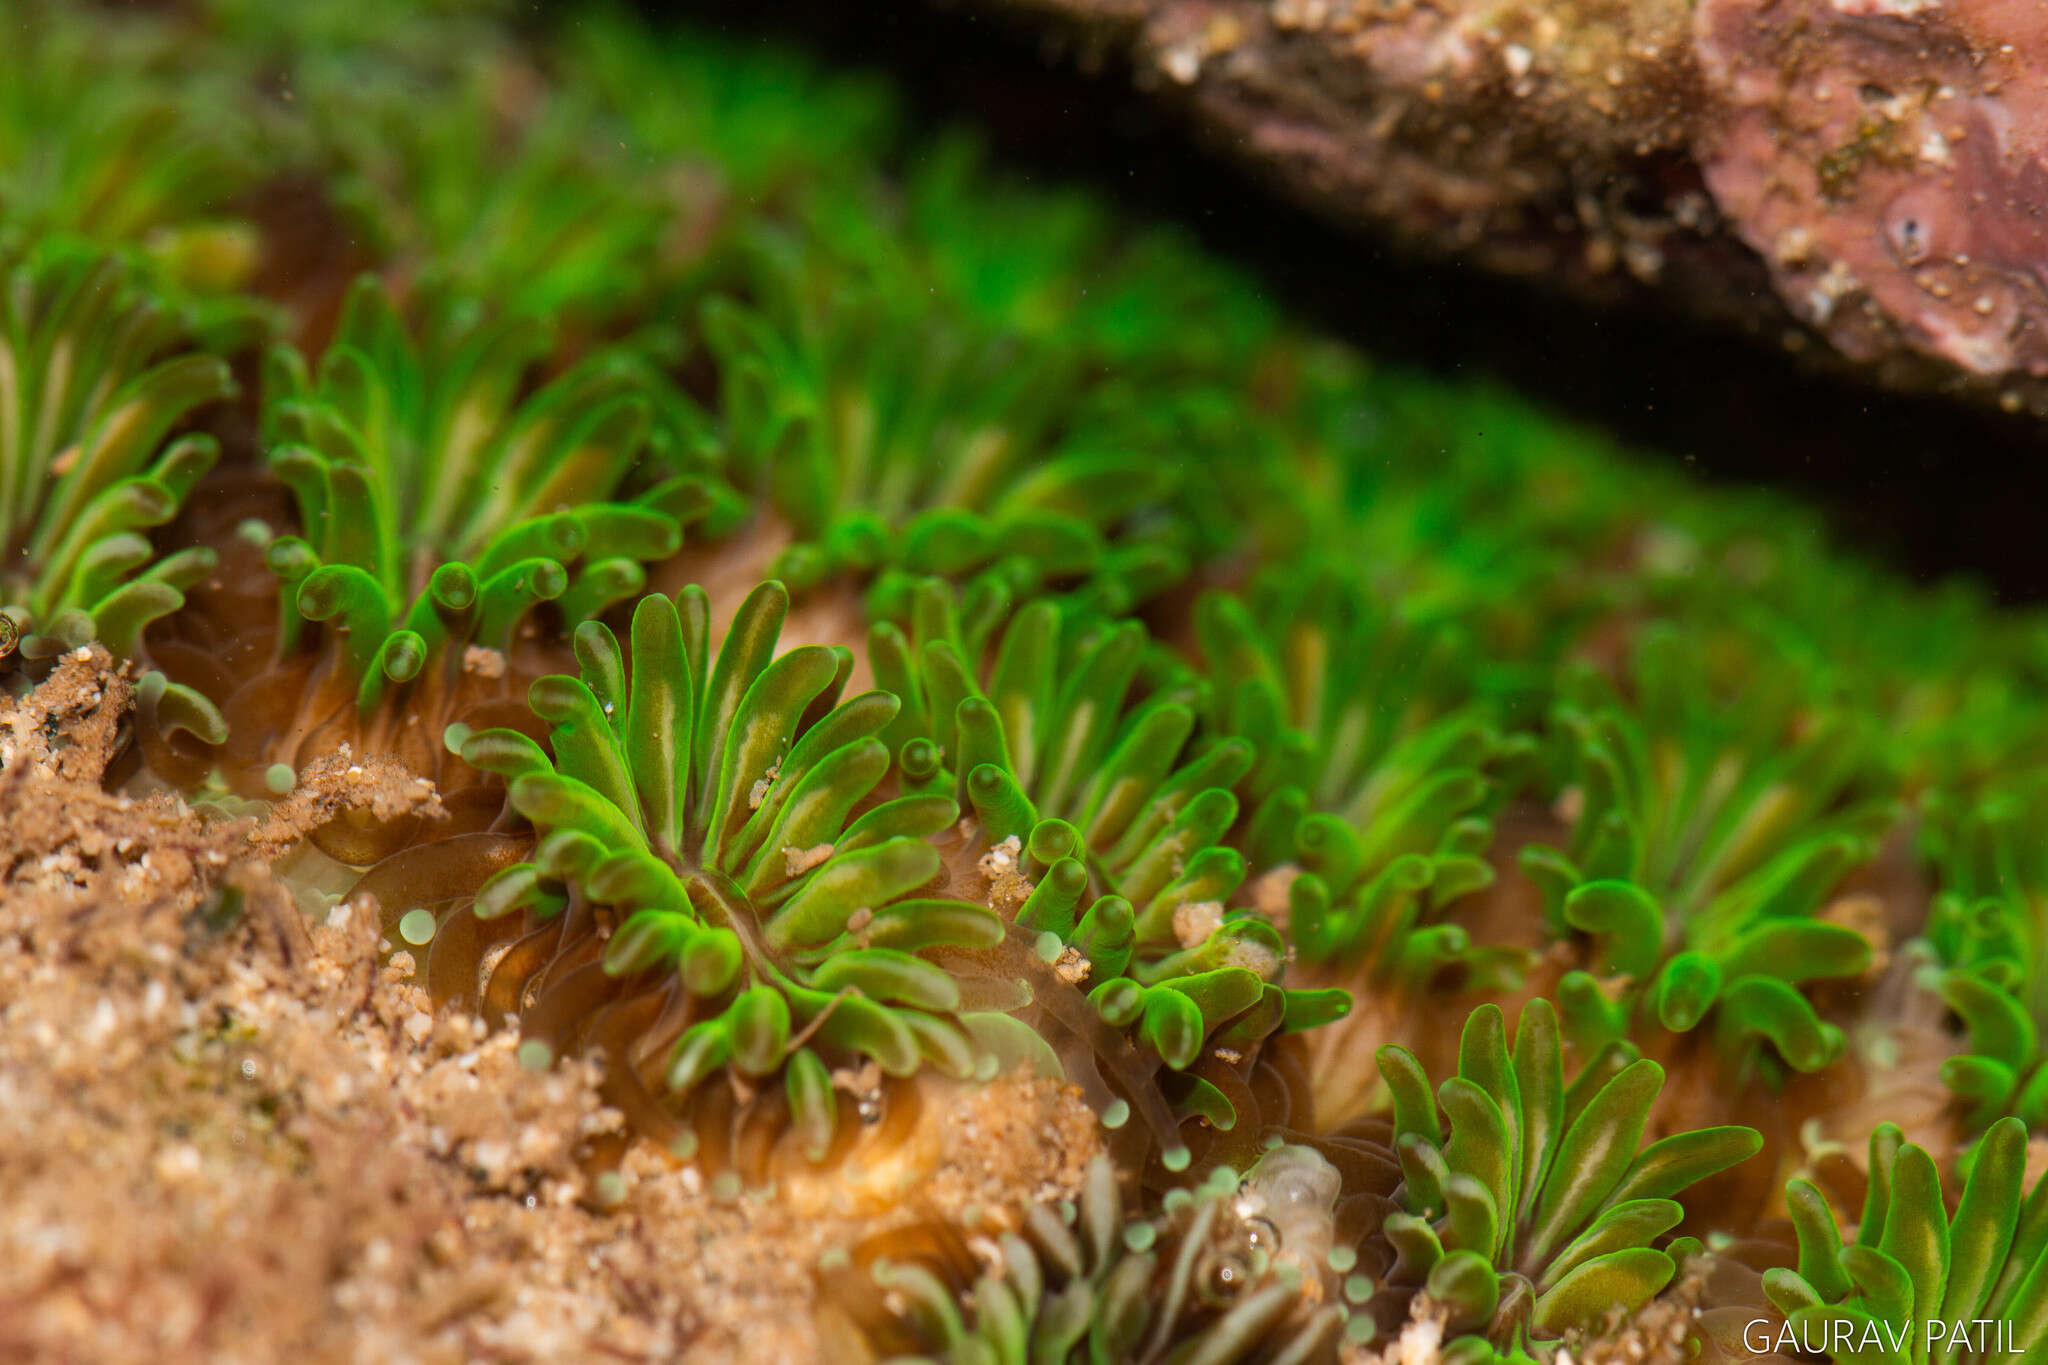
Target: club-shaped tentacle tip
point(454, 586)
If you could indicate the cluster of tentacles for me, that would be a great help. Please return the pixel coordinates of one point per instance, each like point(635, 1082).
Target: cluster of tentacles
point(872, 633)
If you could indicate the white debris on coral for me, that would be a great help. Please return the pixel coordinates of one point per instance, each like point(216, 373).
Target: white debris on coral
point(483, 662)
point(1001, 859)
point(1008, 887)
point(1194, 921)
point(1254, 957)
point(1420, 1343)
point(797, 861)
point(759, 792)
point(1272, 894)
point(1836, 283)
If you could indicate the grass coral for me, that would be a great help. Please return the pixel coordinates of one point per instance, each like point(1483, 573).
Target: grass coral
point(511, 193)
point(763, 121)
point(1706, 838)
point(422, 571)
point(94, 379)
point(1211, 1277)
point(1537, 1212)
point(701, 869)
point(1918, 1283)
point(1370, 802)
point(1984, 931)
point(1102, 825)
point(1190, 707)
point(157, 159)
point(1375, 766)
point(940, 448)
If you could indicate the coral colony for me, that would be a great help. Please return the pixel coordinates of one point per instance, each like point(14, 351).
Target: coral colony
point(873, 626)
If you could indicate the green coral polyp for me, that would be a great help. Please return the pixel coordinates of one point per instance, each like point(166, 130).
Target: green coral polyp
point(1984, 930)
point(93, 381)
point(522, 193)
point(1377, 771)
point(1198, 1281)
point(157, 157)
point(1706, 840)
point(1527, 1207)
point(1090, 789)
point(928, 448)
point(385, 447)
point(720, 815)
point(1913, 1262)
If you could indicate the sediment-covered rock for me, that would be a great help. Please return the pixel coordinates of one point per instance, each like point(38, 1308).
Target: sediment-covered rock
point(1863, 181)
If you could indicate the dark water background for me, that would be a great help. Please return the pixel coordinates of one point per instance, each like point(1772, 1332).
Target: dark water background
point(1931, 487)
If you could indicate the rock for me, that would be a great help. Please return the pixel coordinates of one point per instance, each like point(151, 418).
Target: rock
point(1889, 159)
point(1863, 181)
